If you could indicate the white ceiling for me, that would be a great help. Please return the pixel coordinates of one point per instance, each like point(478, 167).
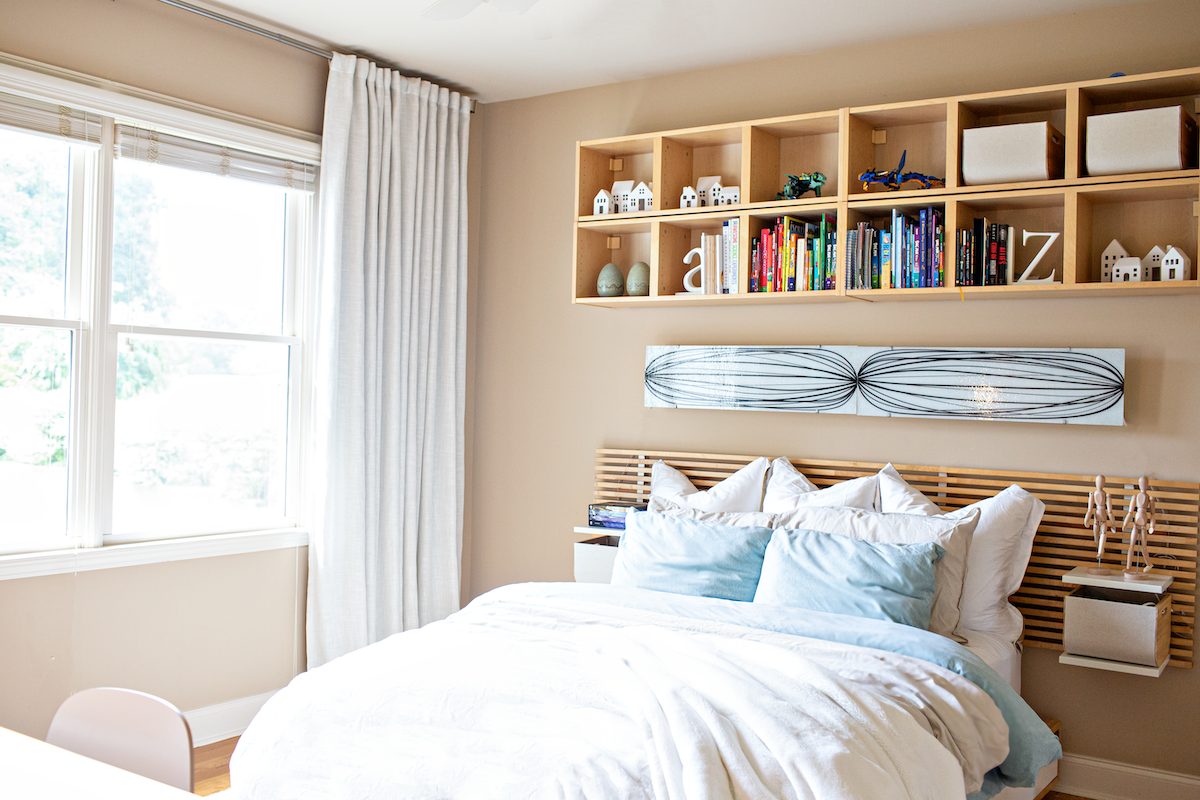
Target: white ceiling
point(568, 44)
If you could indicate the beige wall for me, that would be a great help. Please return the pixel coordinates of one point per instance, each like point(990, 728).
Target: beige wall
point(196, 632)
point(153, 46)
point(554, 381)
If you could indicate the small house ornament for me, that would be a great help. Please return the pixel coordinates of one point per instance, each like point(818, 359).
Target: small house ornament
point(730, 196)
point(620, 196)
point(1108, 259)
point(603, 203)
point(1176, 266)
point(641, 198)
point(1151, 263)
point(709, 189)
point(689, 198)
point(1128, 268)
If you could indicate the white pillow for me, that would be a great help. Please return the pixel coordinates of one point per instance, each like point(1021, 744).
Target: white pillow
point(788, 489)
point(1000, 552)
point(741, 491)
point(896, 496)
point(952, 533)
point(738, 519)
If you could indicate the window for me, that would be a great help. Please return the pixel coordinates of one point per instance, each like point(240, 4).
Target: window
point(150, 348)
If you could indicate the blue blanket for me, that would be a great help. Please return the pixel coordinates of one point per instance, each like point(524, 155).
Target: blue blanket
point(1031, 744)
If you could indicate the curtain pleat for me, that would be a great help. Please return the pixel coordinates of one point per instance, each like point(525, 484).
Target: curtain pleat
point(390, 352)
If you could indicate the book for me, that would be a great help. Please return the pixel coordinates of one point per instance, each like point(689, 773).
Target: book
point(993, 252)
point(1001, 254)
point(1010, 264)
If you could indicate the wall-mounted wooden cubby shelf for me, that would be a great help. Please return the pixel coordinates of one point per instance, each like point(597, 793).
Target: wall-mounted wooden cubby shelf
point(1141, 210)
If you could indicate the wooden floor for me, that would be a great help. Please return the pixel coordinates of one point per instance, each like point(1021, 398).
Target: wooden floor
point(212, 766)
point(212, 770)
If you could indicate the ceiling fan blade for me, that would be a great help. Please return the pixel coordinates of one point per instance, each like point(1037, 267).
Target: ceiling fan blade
point(450, 9)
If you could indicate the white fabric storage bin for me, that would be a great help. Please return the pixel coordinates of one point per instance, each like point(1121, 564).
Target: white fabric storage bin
point(1148, 140)
point(594, 559)
point(1029, 151)
point(1117, 625)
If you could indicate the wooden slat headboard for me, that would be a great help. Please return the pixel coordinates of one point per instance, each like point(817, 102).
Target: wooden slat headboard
point(1062, 542)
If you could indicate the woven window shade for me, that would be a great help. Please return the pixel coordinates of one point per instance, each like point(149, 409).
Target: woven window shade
point(49, 119)
point(155, 147)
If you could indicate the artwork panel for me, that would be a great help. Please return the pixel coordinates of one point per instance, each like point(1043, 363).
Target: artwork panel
point(1058, 385)
point(817, 379)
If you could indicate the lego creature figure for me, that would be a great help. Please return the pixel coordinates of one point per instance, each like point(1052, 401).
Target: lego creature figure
point(797, 185)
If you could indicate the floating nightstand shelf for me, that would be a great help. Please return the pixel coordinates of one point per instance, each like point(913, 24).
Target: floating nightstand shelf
point(595, 556)
point(1117, 623)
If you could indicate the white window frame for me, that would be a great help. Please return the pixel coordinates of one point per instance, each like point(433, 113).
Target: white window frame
point(89, 543)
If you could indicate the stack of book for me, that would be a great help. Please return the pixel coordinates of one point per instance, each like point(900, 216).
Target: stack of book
point(985, 254)
point(795, 256)
point(721, 251)
point(909, 254)
point(611, 515)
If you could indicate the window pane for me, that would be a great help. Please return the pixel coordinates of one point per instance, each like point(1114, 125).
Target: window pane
point(33, 224)
point(35, 370)
point(198, 251)
point(200, 437)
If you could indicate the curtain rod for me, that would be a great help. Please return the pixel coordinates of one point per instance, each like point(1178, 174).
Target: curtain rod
point(273, 35)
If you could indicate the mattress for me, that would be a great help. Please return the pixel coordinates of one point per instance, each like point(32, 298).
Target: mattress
point(999, 654)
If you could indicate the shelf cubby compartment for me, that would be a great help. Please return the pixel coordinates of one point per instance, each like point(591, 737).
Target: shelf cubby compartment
point(676, 236)
point(792, 146)
point(691, 154)
point(759, 220)
point(603, 162)
point(877, 213)
point(1132, 93)
point(1139, 215)
point(621, 242)
point(879, 135)
point(1007, 108)
point(1035, 211)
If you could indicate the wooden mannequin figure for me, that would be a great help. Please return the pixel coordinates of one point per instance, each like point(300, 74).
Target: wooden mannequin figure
point(1100, 516)
point(1141, 515)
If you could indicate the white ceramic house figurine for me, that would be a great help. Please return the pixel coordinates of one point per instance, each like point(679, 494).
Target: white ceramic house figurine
point(1151, 263)
point(1176, 266)
point(641, 198)
point(730, 196)
point(620, 196)
point(689, 198)
point(603, 203)
point(1128, 269)
point(1109, 257)
point(709, 189)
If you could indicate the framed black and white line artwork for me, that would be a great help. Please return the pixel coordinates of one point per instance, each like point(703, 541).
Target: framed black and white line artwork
point(1057, 385)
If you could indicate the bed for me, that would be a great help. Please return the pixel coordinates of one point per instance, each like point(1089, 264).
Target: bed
point(709, 668)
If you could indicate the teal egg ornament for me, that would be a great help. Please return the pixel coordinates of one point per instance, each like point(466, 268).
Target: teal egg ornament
point(611, 282)
point(638, 283)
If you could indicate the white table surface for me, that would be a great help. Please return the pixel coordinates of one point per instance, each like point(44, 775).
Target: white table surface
point(30, 768)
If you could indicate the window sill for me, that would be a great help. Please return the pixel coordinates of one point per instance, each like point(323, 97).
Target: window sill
point(58, 562)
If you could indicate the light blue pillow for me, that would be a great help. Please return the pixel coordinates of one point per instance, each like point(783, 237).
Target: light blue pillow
point(826, 572)
point(687, 556)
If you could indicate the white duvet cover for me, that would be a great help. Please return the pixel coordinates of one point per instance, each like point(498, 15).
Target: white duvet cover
point(520, 696)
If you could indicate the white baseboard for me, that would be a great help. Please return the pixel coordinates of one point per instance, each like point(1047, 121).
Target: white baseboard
point(224, 720)
point(1112, 780)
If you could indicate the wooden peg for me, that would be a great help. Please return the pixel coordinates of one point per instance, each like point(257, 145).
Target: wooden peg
point(616, 164)
point(614, 242)
point(879, 136)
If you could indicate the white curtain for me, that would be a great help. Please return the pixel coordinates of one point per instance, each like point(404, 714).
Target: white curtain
point(389, 359)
